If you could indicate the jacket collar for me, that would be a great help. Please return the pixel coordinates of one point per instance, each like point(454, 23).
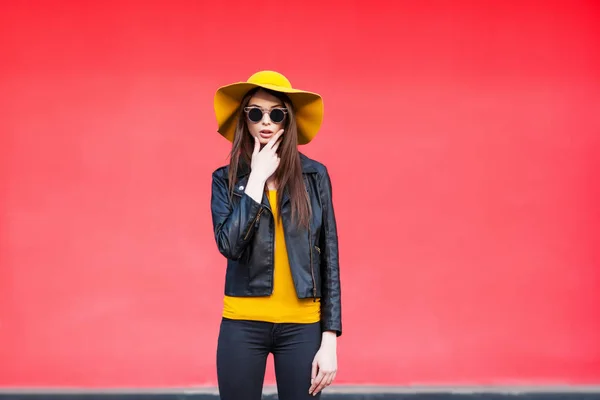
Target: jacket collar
point(308, 167)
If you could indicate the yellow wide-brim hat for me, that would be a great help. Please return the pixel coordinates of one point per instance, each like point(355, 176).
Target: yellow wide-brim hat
point(308, 106)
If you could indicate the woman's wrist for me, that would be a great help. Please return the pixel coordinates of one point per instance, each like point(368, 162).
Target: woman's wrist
point(255, 186)
point(329, 338)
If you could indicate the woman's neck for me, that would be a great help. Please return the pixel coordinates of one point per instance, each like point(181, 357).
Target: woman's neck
point(271, 183)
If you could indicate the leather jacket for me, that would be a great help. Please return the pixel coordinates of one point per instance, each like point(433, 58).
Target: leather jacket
point(245, 234)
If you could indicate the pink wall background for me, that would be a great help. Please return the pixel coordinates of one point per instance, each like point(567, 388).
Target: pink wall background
point(463, 142)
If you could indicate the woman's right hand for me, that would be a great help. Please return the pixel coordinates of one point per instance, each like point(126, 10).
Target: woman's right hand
point(265, 162)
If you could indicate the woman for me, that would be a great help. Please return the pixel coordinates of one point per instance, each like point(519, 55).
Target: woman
point(274, 221)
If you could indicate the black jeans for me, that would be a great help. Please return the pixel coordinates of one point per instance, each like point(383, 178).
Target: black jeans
point(242, 353)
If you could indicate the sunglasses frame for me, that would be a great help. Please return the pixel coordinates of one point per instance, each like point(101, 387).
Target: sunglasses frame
point(250, 108)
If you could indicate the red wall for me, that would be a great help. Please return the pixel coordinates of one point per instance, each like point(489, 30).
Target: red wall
point(463, 142)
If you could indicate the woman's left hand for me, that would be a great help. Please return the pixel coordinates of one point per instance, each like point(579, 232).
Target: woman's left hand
point(324, 366)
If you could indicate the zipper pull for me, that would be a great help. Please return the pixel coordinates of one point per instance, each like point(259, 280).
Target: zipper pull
point(258, 218)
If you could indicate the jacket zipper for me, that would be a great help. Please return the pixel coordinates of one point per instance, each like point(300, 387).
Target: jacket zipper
point(312, 272)
point(255, 219)
point(253, 222)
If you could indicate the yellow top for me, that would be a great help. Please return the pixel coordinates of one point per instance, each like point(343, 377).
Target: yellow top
point(283, 305)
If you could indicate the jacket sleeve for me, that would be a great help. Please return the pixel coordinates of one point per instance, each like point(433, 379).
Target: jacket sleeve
point(331, 307)
point(233, 224)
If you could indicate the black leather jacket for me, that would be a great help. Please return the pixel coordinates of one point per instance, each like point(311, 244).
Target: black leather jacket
point(244, 232)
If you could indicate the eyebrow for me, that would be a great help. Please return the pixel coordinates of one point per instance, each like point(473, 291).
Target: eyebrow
point(256, 105)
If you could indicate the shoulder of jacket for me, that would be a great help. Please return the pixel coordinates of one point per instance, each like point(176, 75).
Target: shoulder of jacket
point(309, 165)
point(221, 172)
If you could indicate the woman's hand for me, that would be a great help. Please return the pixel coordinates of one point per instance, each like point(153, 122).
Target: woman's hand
point(264, 164)
point(265, 161)
point(324, 366)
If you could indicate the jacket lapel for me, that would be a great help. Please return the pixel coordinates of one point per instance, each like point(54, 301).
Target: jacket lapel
point(307, 168)
point(240, 188)
point(244, 172)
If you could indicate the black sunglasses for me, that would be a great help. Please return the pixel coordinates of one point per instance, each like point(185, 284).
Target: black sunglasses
point(255, 114)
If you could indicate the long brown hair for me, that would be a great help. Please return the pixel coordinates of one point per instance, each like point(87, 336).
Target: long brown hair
point(289, 173)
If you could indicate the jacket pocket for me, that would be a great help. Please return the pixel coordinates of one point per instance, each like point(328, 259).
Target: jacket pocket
point(316, 270)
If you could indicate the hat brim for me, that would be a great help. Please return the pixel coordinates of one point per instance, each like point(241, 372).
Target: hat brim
point(308, 107)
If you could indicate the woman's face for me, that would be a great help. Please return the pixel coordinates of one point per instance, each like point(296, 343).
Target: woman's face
point(258, 114)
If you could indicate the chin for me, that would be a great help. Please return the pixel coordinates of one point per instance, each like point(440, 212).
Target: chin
point(263, 140)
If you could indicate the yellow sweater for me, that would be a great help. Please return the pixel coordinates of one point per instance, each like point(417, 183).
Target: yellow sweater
point(283, 305)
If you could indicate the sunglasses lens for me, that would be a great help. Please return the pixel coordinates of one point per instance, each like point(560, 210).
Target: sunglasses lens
point(255, 114)
point(277, 116)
